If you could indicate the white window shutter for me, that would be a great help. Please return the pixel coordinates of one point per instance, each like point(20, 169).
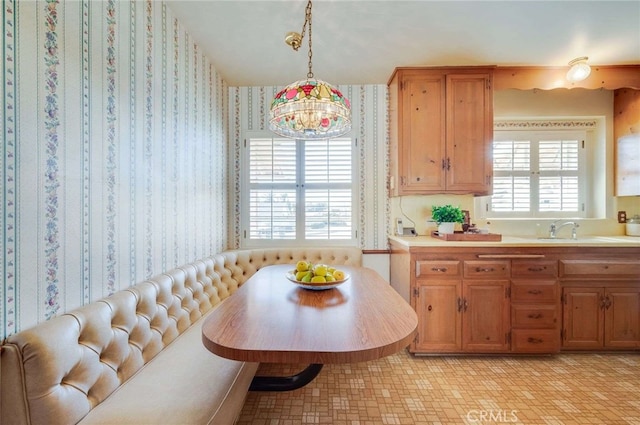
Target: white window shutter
point(300, 190)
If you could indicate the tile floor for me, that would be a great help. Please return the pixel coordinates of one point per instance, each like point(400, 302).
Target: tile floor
point(402, 389)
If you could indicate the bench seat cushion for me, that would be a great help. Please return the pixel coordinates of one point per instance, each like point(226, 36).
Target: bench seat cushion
point(184, 384)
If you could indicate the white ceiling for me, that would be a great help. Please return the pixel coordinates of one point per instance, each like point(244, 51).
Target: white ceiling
point(362, 41)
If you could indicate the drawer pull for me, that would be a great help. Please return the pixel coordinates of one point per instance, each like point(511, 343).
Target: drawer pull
point(534, 291)
point(536, 269)
point(535, 316)
point(483, 269)
point(507, 256)
point(439, 269)
point(532, 340)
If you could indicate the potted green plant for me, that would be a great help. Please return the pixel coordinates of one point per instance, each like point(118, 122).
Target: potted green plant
point(446, 216)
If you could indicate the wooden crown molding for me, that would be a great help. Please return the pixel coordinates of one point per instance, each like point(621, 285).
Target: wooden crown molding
point(609, 77)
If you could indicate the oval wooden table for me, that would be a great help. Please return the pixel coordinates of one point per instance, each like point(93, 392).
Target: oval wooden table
point(273, 320)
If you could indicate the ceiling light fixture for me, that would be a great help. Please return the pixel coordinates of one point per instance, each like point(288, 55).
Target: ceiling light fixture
point(310, 108)
point(579, 69)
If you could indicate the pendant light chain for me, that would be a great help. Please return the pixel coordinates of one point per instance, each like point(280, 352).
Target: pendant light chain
point(297, 41)
point(308, 18)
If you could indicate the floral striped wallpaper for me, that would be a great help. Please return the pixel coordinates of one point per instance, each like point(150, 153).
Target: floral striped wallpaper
point(114, 157)
point(121, 149)
point(249, 111)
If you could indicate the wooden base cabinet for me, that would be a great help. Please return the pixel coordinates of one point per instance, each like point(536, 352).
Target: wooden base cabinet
point(535, 309)
point(601, 302)
point(583, 318)
point(485, 322)
point(455, 316)
point(462, 306)
point(439, 308)
point(622, 318)
point(601, 317)
point(519, 300)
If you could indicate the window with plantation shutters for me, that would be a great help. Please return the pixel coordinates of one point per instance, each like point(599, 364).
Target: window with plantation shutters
point(272, 188)
point(298, 191)
point(538, 174)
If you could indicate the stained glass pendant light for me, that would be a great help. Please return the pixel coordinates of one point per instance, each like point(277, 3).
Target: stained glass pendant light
point(310, 108)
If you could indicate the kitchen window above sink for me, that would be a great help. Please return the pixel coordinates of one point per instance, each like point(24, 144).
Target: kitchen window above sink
point(538, 174)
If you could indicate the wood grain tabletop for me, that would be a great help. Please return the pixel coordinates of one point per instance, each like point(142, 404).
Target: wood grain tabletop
point(271, 319)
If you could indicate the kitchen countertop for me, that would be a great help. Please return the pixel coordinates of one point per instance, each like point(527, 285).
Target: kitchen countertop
point(522, 241)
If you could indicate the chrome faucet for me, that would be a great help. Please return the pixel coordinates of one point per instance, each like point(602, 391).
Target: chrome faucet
point(554, 228)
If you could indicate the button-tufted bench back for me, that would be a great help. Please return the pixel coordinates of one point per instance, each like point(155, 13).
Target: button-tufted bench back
point(244, 263)
point(59, 370)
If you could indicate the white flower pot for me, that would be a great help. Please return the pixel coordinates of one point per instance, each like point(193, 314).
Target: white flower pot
point(446, 228)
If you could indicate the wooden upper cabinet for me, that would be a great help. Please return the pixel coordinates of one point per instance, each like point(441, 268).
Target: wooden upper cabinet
point(469, 133)
point(423, 133)
point(441, 130)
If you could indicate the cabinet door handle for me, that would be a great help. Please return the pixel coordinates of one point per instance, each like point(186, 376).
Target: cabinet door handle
point(535, 316)
point(448, 164)
point(607, 303)
point(487, 269)
point(534, 291)
point(444, 164)
point(466, 304)
point(439, 269)
point(533, 340)
point(603, 302)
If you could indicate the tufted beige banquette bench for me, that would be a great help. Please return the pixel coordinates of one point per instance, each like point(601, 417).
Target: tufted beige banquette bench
point(137, 357)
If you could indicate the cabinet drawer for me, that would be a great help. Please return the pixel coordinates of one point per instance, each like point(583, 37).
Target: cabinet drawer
point(534, 316)
point(534, 292)
point(535, 340)
point(487, 269)
point(439, 268)
point(608, 268)
point(534, 268)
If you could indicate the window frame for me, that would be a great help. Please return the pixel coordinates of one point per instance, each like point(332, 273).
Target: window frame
point(300, 240)
point(535, 135)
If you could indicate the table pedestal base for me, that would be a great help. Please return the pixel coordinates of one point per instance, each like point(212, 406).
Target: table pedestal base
point(285, 383)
